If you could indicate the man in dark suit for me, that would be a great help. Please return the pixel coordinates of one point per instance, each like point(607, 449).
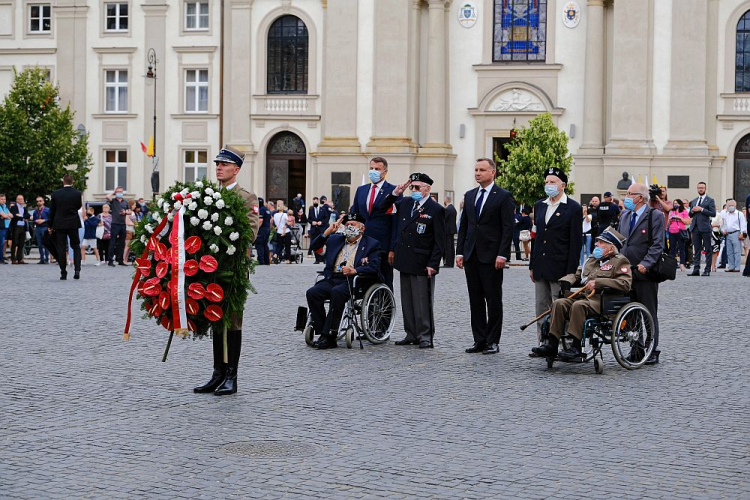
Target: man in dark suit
point(449, 252)
point(702, 209)
point(483, 248)
point(643, 251)
point(420, 237)
point(20, 216)
point(347, 254)
point(65, 222)
point(369, 201)
point(557, 247)
point(316, 215)
point(264, 231)
point(745, 272)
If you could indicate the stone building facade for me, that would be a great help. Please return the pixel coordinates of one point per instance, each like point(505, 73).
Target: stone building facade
point(311, 89)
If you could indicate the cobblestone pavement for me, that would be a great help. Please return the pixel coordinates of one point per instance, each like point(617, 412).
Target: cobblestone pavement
point(86, 415)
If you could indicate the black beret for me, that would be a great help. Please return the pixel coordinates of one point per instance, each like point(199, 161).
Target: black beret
point(421, 178)
point(356, 217)
point(557, 173)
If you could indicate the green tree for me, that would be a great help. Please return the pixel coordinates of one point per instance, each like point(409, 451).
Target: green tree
point(536, 148)
point(38, 143)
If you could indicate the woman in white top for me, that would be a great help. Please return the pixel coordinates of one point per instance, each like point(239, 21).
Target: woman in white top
point(586, 247)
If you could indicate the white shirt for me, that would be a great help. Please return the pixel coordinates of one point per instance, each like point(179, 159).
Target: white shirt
point(587, 224)
point(231, 186)
point(731, 222)
point(378, 186)
point(280, 219)
point(552, 206)
point(486, 195)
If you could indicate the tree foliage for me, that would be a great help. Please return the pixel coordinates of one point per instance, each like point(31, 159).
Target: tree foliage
point(38, 143)
point(537, 147)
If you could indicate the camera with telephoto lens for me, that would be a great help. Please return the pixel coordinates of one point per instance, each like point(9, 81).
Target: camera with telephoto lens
point(654, 191)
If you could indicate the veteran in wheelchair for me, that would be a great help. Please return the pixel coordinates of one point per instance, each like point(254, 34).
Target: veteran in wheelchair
point(586, 316)
point(350, 256)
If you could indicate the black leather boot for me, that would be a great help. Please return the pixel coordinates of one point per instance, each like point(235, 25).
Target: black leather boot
point(234, 345)
point(548, 350)
point(220, 369)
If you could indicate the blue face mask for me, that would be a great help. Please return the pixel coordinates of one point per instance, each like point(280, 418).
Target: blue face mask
point(598, 253)
point(374, 176)
point(119, 195)
point(629, 205)
point(551, 190)
point(416, 196)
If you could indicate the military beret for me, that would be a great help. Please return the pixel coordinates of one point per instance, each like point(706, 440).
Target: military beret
point(557, 173)
point(230, 155)
point(354, 217)
point(421, 178)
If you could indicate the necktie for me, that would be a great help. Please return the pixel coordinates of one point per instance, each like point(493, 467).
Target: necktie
point(632, 223)
point(478, 206)
point(316, 212)
point(372, 198)
point(700, 200)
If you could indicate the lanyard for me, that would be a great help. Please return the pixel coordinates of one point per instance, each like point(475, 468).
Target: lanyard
point(347, 254)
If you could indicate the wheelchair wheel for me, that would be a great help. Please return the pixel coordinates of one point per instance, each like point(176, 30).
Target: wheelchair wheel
point(598, 365)
point(346, 321)
point(378, 313)
point(349, 335)
point(309, 334)
point(632, 336)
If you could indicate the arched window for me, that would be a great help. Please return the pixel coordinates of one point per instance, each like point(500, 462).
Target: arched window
point(742, 59)
point(287, 56)
point(742, 170)
point(520, 31)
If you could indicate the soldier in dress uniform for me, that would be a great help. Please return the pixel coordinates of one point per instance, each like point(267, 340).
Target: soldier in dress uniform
point(224, 378)
point(420, 240)
point(606, 268)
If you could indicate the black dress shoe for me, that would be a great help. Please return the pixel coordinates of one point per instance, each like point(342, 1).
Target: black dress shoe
point(77, 276)
point(721, 267)
point(111, 264)
point(491, 349)
point(548, 350)
point(477, 347)
point(64, 276)
point(695, 273)
point(326, 342)
point(121, 264)
point(425, 344)
point(706, 273)
point(653, 359)
point(572, 353)
point(406, 342)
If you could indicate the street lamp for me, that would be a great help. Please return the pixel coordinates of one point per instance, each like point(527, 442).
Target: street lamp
point(151, 73)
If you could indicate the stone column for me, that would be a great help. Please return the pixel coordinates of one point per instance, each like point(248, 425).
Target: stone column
point(687, 120)
point(391, 124)
point(236, 84)
point(70, 29)
point(631, 79)
point(593, 106)
point(154, 37)
point(339, 115)
point(436, 103)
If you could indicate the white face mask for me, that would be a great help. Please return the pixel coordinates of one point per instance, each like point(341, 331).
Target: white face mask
point(351, 231)
point(731, 209)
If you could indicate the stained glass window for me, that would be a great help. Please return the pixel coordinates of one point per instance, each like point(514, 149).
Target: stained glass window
point(742, 58)
point(520, 31)
point(287, 56)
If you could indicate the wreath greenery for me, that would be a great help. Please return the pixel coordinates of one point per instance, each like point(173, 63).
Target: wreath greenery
point(217, 237)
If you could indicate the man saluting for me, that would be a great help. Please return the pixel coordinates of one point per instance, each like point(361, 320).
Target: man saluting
point(420, 240)
point(224, 378)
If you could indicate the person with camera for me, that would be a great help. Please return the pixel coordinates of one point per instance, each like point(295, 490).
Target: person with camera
point(679, 219)
point(643, 249)
point(120, 209)
point(734, 228)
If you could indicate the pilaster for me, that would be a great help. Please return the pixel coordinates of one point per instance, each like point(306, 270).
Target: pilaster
point(72, 46)
point(237, 77)
point(436, 98)
point(593, 106)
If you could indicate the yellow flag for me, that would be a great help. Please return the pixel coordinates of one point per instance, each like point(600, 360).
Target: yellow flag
point(639, 175)
point(655, 179)
point(150, 150)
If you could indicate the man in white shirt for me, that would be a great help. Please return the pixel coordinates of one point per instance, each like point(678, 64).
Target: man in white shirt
point(734, 228)
point(283, 248)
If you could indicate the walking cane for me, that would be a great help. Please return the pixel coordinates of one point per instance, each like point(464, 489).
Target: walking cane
point(524, 327)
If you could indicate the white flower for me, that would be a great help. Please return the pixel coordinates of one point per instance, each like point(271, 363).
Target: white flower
point(177, 205)
point(203, 214)
point(192, 206)
point(199, 184)
point(184, 191)
point(209, 191)
point(217, 230)
point(217, 196)
point(170, 217)
point(157, 217)
point(166, 207)
point(231, 250)
point(228, 221)
point(143, 239)
point(234, 236)
point(195, 195)
point(195, 221)
point(220, 204)
point(149, 228)
point(207, 226)
point(214, 217)
point(213, 248)
point(159, 202)
point(208, 200)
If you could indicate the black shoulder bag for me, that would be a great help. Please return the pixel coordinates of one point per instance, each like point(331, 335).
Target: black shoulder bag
point(665, 267)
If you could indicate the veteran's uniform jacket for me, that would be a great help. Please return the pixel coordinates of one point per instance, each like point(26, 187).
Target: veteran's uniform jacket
point(613, 273)
point(420, 237)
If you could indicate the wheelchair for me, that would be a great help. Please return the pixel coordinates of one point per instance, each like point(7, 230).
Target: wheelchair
point(625, 325)
point(370, 313)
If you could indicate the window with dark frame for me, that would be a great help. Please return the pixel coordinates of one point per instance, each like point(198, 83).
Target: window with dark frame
point(116, 17)
point(40, 18)
point(287, 62)
point(742, 57)
point(115, 169)
point(520, 31)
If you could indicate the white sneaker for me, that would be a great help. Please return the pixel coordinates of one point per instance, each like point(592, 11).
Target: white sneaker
point(99, 263)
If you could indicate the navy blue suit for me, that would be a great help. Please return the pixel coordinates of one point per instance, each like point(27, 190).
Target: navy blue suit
point(335, 286)
point(380, 223)
point(264, 231)
point(315, 230)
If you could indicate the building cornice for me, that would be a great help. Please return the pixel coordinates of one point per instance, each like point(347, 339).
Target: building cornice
point(18, 51)
point(114, 50)
point(195, 49)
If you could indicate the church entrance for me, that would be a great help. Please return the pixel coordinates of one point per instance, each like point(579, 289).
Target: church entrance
point(742, 171)
point(285, 167)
